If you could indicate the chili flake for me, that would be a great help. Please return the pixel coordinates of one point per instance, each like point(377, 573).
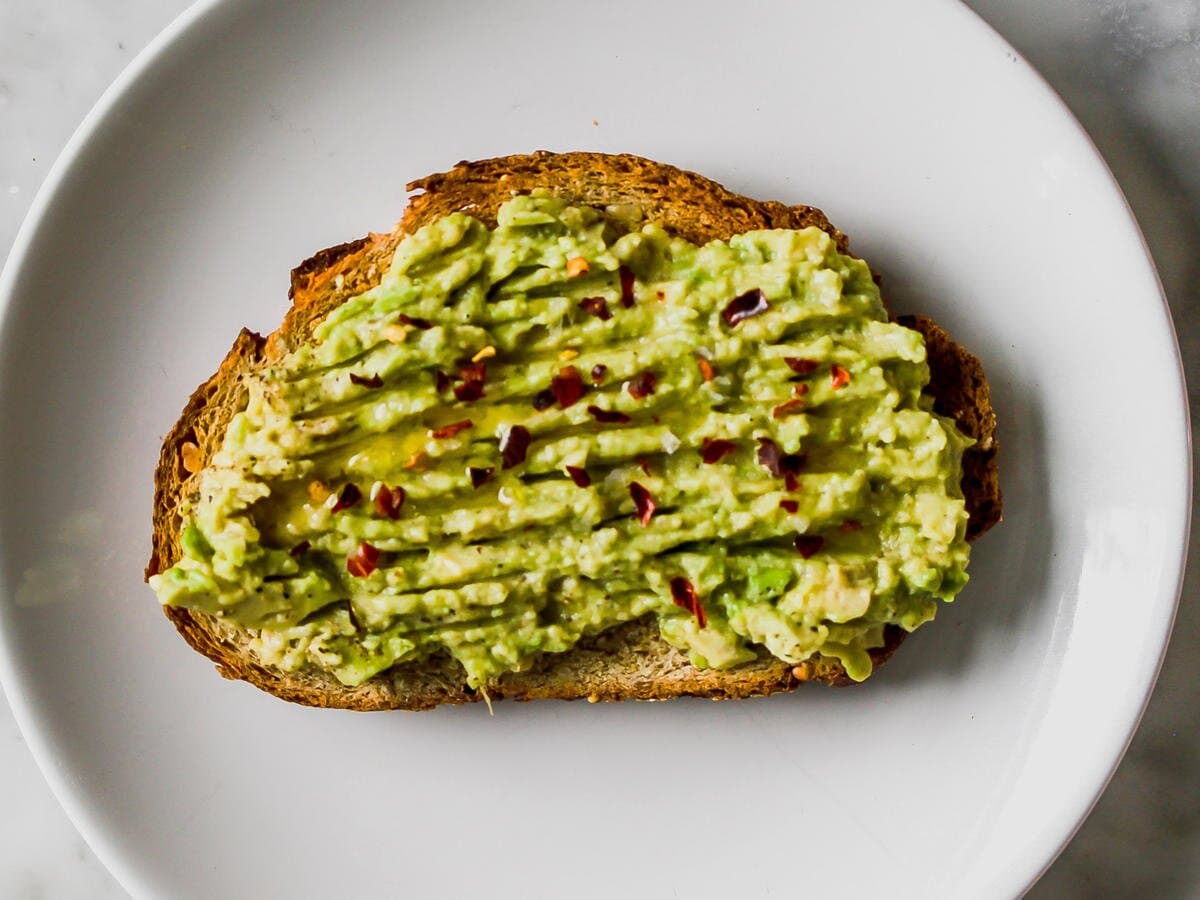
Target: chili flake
point(473, 375)
point(750, 304)
point(567, 387)
point(598, 372)
point(801, 366)
point(808, 544)
point(642, 385)
point(364, 561)
point(777, 462)
point(389, 501)
point(683, 594)
point(449, 431)
point(596, 306)
point(579, 475)
point(347, 497)
point(789, 408)
point(643, 502)
point(626, 276)
point(374, 381)
point(839, 377)
point(608, 416)
point(480, 476)
point(715, 449)
point(514, 446)
point(707, 372)
point(469, 392)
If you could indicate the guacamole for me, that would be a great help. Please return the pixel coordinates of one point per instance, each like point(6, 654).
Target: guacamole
point(528, 434)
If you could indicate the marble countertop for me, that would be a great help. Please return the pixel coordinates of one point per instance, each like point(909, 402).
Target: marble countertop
point(1131, 73)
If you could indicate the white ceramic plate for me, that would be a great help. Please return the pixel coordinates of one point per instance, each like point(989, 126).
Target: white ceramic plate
point(252, 134)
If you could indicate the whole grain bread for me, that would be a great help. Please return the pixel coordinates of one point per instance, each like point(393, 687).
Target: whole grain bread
point(627, 662)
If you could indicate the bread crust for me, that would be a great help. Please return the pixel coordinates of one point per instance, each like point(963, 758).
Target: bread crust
point(630, 661)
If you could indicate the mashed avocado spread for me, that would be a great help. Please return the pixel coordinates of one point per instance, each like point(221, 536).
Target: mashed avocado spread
point(526, 435)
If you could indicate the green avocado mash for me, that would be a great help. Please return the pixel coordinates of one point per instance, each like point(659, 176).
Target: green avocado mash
point(530, 434)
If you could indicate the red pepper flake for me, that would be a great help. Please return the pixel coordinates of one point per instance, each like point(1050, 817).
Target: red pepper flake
point(626, 276)
point(801, 366)
point(598, 372)
point(364, 561)
point(596, 306)
point(469, 392)
point(543, 399)
point(789, 408)
point(750, 304)
point(839, 377)
point(777, 462)
point(643, 502)
point(423, 324)
point(790, 482)
point(389, 501)
point(713, 450)
point(480, 476)
point(473, 375)
point(567, 386)
point(300, 549)
point(580, 476)
point(608, 416)
point(707, 372)
point(789, 506)
point(449, 431)
point(642, 385)
point(514, 446)
point(684, 594)
point(374, 381)
point(799, 390)
point(644, 464)
point(473, 371)
point(850, 525)
point(808, 544)
point(660, 296)
point(347, 497)
point(442, 381)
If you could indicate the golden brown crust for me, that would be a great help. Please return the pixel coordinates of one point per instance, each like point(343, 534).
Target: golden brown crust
point(627, 662)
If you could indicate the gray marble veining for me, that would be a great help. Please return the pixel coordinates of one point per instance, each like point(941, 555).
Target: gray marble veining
point(1129, 70)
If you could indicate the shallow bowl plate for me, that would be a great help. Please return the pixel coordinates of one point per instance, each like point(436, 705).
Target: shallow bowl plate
point(251, 134)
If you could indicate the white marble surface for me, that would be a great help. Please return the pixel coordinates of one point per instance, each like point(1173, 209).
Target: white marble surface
point(1131, 73)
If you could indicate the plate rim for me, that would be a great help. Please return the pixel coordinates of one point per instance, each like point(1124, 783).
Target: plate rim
point(1184, 406)
point(124, 869)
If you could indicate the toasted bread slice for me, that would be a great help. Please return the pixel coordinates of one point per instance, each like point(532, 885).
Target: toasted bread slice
point(627, 662)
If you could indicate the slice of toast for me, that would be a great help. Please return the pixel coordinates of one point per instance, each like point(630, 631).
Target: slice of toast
point(630, 661)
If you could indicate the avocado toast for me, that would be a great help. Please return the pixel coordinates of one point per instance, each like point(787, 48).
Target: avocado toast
point(668, 638)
